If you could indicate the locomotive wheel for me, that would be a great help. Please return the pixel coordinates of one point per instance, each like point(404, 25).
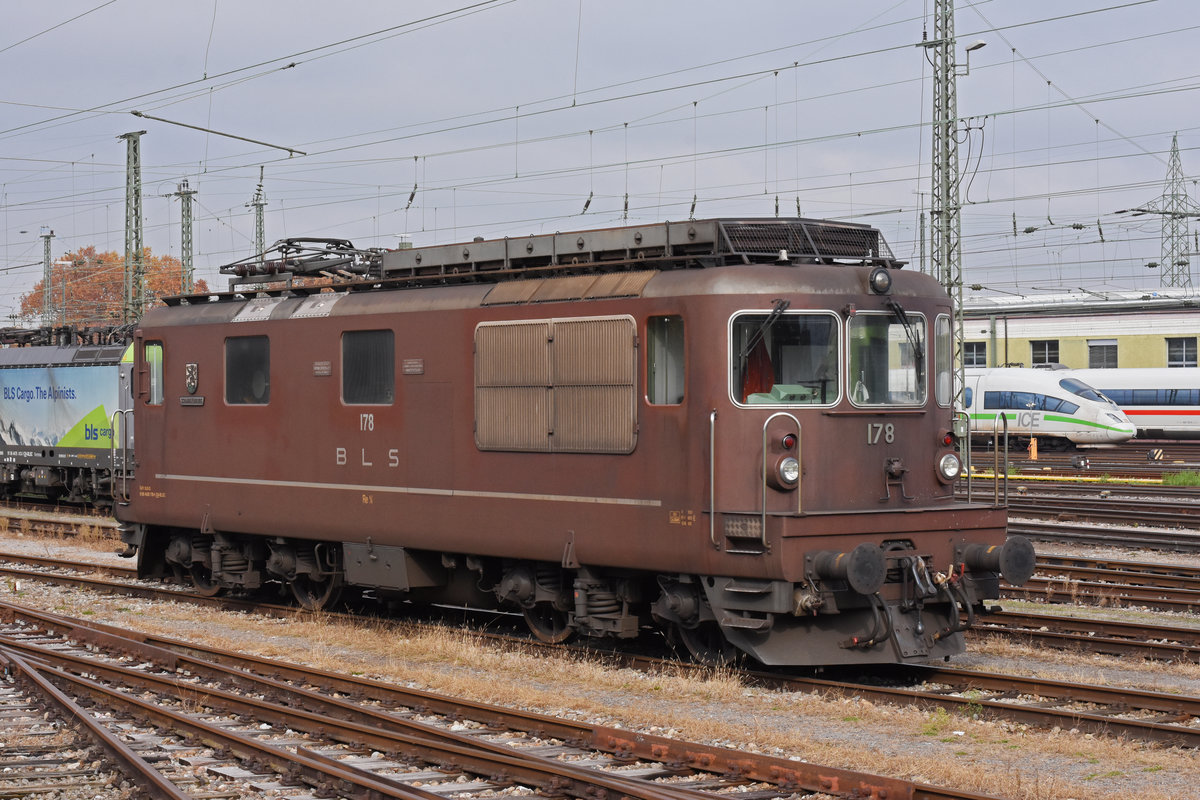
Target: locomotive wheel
point(202, 581)
point(706, 644)
point(548, 624)
point(314, 594)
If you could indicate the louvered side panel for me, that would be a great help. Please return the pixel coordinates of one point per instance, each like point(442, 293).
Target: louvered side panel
point(512, 354)
point(513, 418)
point(590, 352)
point(594, 419)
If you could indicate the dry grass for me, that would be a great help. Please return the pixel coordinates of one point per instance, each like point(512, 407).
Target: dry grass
point(96, 538)
point(994, 758)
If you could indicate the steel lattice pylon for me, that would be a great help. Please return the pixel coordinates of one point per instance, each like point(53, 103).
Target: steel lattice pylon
point(258, 204)
point(945, 245)
point(1175, 207)
point(134, 298)
point(47, 296)
point(185, 197)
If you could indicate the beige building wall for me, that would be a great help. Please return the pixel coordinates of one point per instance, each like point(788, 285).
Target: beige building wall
point(1141, 337)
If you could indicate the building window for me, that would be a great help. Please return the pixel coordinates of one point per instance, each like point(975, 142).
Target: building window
point(975, 354)
point(1102, 353)
point(368, 367)
point(664, 360)
point(1044, 351)
point(247, 370)
point(1181, 352)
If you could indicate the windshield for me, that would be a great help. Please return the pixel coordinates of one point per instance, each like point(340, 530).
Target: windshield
point(1076, 386)
point(784, 358)
point(887, 359)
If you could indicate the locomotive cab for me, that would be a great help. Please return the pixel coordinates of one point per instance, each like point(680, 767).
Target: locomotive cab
point(847, 406)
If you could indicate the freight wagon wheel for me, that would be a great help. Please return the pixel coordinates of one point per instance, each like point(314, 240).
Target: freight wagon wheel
point(315, 594)
point(548, 624)
point(706, 644)
point(202, 581)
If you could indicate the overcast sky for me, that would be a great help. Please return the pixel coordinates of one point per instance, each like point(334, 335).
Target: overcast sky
point(507, 115)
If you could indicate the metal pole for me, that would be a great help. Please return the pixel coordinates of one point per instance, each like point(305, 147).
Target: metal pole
point(258, 204)
point(185, 197)
point(135, 268)
point(47, 289)
point(946, 247)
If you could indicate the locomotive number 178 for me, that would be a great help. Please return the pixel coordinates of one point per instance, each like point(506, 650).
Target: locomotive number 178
point(877, 431)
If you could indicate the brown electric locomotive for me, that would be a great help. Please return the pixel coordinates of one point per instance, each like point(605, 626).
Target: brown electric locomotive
point(738, 431)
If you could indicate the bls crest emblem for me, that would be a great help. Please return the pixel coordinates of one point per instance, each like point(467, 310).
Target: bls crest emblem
point(191, 378)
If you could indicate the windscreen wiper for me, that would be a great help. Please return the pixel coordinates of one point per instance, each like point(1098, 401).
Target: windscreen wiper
point(909, 329)
point(776, 312)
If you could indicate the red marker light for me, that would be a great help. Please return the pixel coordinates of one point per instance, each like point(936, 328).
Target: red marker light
point(789, 441)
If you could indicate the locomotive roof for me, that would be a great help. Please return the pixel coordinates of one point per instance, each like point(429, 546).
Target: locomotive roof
point(72, 355)
point(63, 346)
point(621, 253)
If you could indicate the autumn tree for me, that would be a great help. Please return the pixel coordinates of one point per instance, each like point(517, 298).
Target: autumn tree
point(87, 288)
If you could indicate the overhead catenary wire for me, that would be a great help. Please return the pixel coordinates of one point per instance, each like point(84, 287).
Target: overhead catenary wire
point(458, 182)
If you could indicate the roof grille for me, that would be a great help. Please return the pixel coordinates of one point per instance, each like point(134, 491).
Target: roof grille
point(691, 244)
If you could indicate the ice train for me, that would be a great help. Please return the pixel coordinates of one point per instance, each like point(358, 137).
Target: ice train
point(1056, 406)
point(1164, 403)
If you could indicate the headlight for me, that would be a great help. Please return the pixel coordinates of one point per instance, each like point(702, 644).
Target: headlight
point(880, 280)
point(789, 471)
point(949, 467)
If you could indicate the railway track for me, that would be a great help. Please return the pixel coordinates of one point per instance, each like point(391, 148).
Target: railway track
point(45, 758)
point(245, 724)
point(1163, 587)
point(1058, 579)
point(1090, 635)
point(1165, 718)
point(1129, 460)
point(1124, 536)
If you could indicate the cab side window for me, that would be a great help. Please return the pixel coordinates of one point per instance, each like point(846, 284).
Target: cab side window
point(368, 367)
point(247, 370)
point(152, 354)
point(664, 360)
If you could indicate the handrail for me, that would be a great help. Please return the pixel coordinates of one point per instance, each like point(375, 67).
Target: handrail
point(712, 478)
point(121, 471)
point(763, 529)
point(996, 458)
point(962, 421)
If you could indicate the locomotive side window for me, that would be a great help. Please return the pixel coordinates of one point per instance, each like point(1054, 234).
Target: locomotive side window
point(943, 356)
point(152, 354)
point(368, 367)
point(887, 359)
point(247, 370)
point(784, 358)
point(664, 360)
